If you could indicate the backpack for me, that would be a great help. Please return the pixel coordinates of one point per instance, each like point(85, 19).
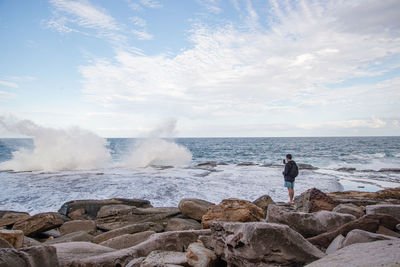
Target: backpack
point(294, 170)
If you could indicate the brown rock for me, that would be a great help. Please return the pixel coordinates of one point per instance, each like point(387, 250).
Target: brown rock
point(199, 256)
point(178, 224)
point(388, 196)
point(91, 207)
point(10, 218)
point(38, 256)
point(261, 244)
point(368, 223)
point(4, 212)
point(390, 209)
point(88, 226)
point(314, 200)
point(4, 243)
point(233, 210)
point(14, 237)
point(263, 202)
point(384, 231)
point(39, 223)
point(30, 242)
point(72, 237)
point(78, 214)
point(194, 208)
point(127, 240)
point(349, 209)
point(129, 229)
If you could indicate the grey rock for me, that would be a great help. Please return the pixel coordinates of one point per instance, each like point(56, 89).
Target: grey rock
point(349, 209)
point(72, 237)
point(127, 240)
point(207, 241)
point(39, 223)
point(390, 209)
point(335, 245)
point(263, 202)
point(113, 219)
point(199, 256)
point(379, 253)
point(88, 226)
point(308, 224)
point(30, 242)
point(129, 229)
point(164, 258)
point(261, 244)
point(194, 208)
point(4, 243)
point(178, 224)
point(136, 262)
point(39, 256)
point(91, 207)
point(70, 252)
point(398, 227)
point(360, 236)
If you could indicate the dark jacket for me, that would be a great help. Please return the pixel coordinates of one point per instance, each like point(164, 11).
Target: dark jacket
point(288, 166)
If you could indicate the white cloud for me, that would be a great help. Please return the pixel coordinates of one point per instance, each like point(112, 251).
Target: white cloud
point(151, 3)
point(8, 84)
point(7, 95)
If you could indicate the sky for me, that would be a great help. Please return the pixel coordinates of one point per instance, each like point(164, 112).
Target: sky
point(220, 68)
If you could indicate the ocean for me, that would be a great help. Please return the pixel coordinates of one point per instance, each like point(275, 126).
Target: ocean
point(40, 175)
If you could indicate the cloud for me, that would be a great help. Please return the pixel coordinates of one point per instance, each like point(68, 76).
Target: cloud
point(6, 95)
point(373, 122)
point(9, 84)
point(151, 3)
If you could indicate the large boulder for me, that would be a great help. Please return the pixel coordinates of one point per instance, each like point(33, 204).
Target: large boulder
point(390, 209)
point(385, 231)
point(10, 218)
point(194, 208)
point(179, 224)
point(370, 223)
point(232, 210)
point(39, 223)
point(38, 256)
point(30, 242)
point(4, 243)
point(89, 208)
point(109, 218)
point(88, 226)
point(263, 202)
point(14, 237)
point(349, 209)
point(308, 224)
point(199, 256)
point(70, 252)
point(379, 253)
point(391, 195)
point(72, 237)
point(4, 212)
point(167, 241)
point(360, 236)
point(314, 200)
point(127, 240)
point(336, 244)
point(129, 229)
point(164, 258)
point(261, 244)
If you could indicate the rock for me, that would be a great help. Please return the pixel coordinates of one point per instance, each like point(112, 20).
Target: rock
point(261, 244)
point(336, 244)
point(178, 224)
point(246, 164)
point(39, 223)
point(39, 256)
point(70, 252)
point(4, 243)
point(370, 223)
point(207, 164)
point(263, 202)
point(136, 262)
point(129, 229)
point(232, 210)
point(207, 241)
point(344, 169)
point(389, 170)
point(30, 242)
point(88, 226)
point(110, 219)
point(78, 214)
point(388, 196)
point(199, 256)
point(168, 241)
point(303, 166)
point(390, 193)
point(379, 253)
point(314, 200)
point(349, 209)
point(194, 208)
point(51, 233)
point(127, 240)
point(91, 207)
point(14, 237)
point(10, 218)
point(392, 210)
point(384, 231)
point(398, 227)
point(72, 237)
point(308, 224)
point(164, 258)
point(359, 236)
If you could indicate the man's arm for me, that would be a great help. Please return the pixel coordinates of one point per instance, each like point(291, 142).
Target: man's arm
point(287, 169)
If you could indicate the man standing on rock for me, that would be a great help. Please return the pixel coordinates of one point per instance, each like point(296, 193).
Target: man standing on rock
point(290, 173)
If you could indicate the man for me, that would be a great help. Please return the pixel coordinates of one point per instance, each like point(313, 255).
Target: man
point(289, 174)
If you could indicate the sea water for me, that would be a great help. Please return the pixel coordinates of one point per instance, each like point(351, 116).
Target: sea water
point(165, 171)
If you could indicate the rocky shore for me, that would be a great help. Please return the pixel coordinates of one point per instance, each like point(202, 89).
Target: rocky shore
point(348, 228)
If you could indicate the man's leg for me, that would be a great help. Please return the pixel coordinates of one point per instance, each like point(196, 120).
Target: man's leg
point(291, 194)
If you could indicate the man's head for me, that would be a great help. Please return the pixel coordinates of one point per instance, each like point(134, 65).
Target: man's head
point(289, 157)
